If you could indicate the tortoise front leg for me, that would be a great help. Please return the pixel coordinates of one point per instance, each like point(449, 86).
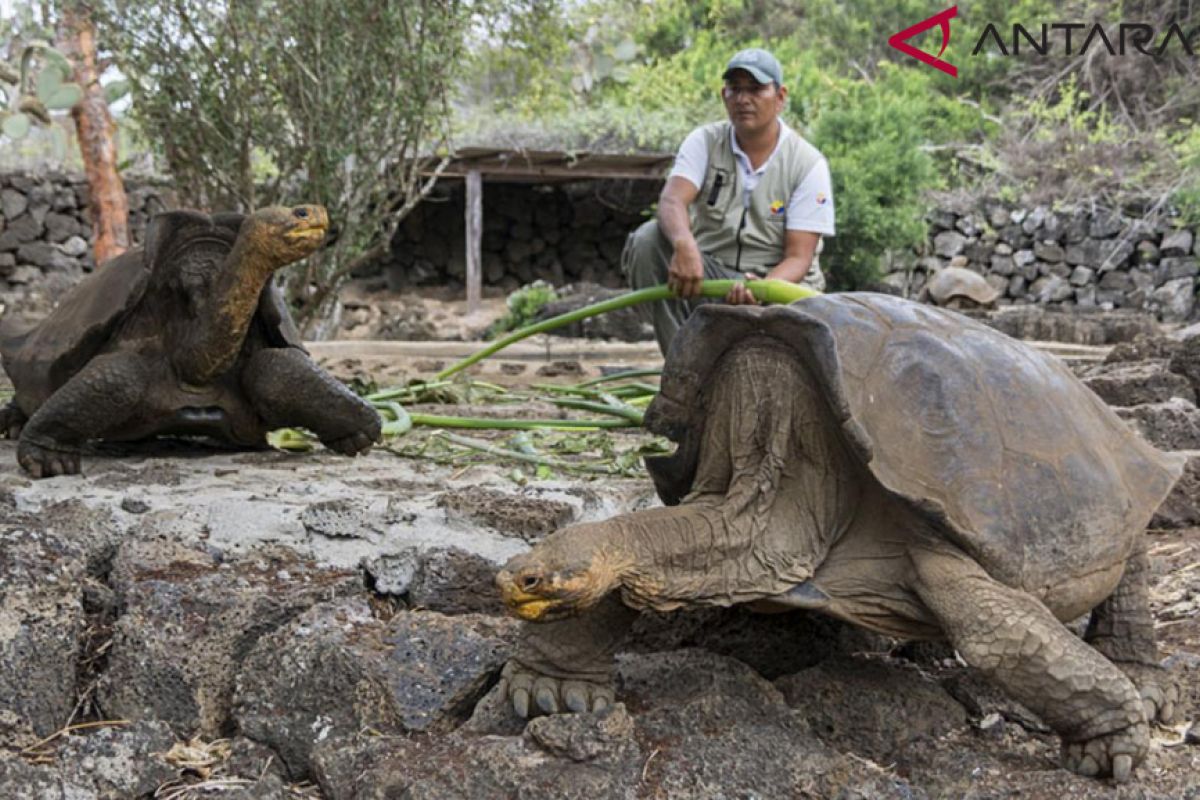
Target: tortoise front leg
point(567, 665)
point(1015, 640)
point(1122, 629)
point(95, 401)
point(289, 390)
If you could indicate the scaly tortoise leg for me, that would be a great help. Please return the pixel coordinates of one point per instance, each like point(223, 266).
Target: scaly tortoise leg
point(1122, 629)
point(288, 390)
point(96, 400)
point(567, 665)
point(1015, 640)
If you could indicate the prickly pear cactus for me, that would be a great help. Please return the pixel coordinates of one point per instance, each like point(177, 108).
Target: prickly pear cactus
point(34, 88)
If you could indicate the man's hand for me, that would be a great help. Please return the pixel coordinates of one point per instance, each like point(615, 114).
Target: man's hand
point(686, 270)
point(740, 294)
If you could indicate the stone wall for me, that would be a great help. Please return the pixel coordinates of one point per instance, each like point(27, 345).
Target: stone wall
point(1062, 258)
point(46, 228)
point(1089, 258)
point(562, 233)
point(1073, 257)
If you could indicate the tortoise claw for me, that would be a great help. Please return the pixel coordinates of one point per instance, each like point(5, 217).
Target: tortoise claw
point(355, 444)
point(1113, 754)
point(533, 694)
point(45, 462)
point(1159, 691)
point(11, 421)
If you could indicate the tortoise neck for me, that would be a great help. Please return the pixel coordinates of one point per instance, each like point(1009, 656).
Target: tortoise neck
point(705, 552)
point(231, 305)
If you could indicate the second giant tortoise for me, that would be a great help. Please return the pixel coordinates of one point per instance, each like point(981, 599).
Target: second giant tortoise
point(896, 466)
point(186, 335)
point(956, 287)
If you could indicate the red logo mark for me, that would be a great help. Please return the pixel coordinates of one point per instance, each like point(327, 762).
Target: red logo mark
point(900, 41)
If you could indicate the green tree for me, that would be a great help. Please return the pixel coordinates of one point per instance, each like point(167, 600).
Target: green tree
point(283, 101)
point(873, 140)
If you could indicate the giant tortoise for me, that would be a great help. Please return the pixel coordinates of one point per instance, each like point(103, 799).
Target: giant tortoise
point(186, 335)
point(896, 466)
point(956, 287)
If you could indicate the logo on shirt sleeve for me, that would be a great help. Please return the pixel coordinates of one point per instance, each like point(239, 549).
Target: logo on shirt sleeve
point(777, 208)
point(821, 199)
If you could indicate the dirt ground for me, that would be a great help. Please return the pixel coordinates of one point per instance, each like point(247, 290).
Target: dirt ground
point(161, 552)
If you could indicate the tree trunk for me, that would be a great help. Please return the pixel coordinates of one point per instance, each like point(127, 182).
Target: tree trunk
point(97, 143)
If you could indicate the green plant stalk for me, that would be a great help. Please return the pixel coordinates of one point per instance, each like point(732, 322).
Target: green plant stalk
point(489, 386)
point(395, 392)
point(402, 423)
point(631, 414)
point(478, 423)
point(540, 460)
point(628, 390)
point(620, 404)
point(555, 388)
point(643, 388)
point(764, 291)
point(617, 376)
point(292, 439)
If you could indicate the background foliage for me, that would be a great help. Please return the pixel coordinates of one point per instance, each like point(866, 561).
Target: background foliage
point(288, 101)
point(1042, 129)
point(277, 101)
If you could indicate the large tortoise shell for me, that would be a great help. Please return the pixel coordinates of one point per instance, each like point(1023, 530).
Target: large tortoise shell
point(997, 444)
point(89, 316)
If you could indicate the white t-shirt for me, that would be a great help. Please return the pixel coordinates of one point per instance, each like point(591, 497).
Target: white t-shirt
point(810, 207)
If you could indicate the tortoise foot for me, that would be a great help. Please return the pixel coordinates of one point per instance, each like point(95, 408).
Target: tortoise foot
point(43, 461)
point(355, 444)
point(1111, 755)
point(533, 693)
point(11, 421)
point(1160, 694)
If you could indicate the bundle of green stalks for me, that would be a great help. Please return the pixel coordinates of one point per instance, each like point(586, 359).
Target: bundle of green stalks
point(611, 401)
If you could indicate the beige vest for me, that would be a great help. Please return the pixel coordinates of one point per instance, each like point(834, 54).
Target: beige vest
point(749, 239)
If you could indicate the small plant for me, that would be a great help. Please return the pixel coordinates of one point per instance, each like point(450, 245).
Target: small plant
point(34, 88)
point(523, 306)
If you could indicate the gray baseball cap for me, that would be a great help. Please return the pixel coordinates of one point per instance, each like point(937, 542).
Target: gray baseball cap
point(761, 65)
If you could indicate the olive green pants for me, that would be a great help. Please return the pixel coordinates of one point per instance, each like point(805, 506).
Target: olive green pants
point(645, 260)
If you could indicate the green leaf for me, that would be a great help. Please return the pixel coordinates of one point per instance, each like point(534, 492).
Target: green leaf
point(15, 126)
point(602, 67)
point(57, 59)
point(48, 81)
point(115, 90)
point(626, 50)
point(65, 98)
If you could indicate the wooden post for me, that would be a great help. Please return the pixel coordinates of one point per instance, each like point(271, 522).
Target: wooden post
point(474, 235)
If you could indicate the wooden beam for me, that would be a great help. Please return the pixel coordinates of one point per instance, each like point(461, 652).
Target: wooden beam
point(496, 170)
point(474, 238)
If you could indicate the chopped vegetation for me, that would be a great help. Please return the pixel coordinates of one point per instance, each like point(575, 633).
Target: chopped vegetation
point(523, 307)
point(765, 291)
point(612, 444)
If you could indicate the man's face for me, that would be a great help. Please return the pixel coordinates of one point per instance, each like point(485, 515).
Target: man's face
point(751, 106)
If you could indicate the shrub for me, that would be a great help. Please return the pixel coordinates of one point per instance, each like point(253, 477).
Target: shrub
point(873, 140)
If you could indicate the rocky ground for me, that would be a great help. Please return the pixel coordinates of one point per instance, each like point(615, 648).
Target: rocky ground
point(183, 622)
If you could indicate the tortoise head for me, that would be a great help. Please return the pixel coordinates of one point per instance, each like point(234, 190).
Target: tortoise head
point(566, 573)
point(281, 235)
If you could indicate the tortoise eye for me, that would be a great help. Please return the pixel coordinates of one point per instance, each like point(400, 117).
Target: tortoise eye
point(302, 213)
point(530, 582)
